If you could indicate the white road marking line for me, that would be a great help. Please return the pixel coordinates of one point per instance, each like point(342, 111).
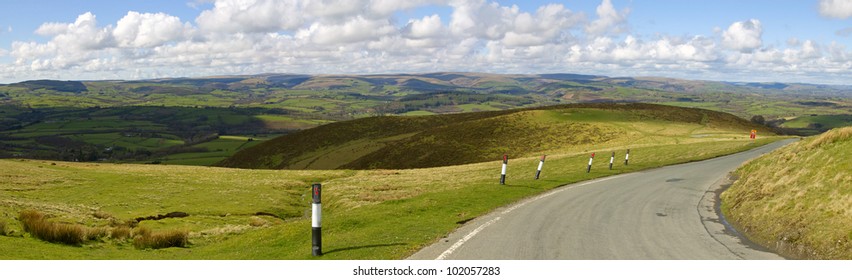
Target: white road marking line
point(476, 231)
point(465, 239)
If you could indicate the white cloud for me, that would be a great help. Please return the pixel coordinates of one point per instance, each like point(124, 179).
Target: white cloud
point(550, 24)
point(356, 30)
point(428, 27)
point(147, 30)
point(609, 20)
point(374, 36)
point(480, 19)
point(261, 16)
point(388, 7)
point(841, 9)
point(83, 34)
point(336, 10)
point(743, 36)
point(252, 16)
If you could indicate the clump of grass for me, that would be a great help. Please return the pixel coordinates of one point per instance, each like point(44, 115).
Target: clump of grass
point(145, 238)
point(38, 226)
point(120, 233)
point(3, 228)
point(102, 215)
point(257, 221)
point(97, 233)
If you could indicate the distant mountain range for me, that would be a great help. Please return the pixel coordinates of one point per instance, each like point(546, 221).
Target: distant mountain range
point(443, 81)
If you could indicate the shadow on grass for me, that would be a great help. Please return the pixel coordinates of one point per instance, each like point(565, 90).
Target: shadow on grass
point(519, 186)
point(364, 247)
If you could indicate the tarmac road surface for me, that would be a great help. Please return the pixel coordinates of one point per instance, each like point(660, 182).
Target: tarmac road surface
point(663, 213)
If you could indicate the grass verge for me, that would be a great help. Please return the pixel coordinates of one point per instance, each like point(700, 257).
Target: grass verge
point(798, 199)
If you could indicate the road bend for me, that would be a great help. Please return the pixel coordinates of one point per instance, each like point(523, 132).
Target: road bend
point(663, 213)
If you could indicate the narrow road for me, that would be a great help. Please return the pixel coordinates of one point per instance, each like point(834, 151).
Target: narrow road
point(663, 213)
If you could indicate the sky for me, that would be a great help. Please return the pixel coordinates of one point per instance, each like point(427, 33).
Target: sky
point(807, 41)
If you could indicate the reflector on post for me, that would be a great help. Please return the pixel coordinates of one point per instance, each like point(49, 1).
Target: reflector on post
point(540, 165)
point(503, 172)
point(590, 163)
point(316, 220)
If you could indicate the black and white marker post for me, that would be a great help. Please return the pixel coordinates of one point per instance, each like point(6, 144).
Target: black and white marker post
point(540, 165)
point(590, 163)
point(611, 159)
point(627, 156)
point(316, 220)
point(503, 172)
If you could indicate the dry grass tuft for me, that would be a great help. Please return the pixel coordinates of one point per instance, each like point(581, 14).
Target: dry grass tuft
point(145, 238)
point(102, 215)
point(831, 136)
point(35, 223)
point(120, 233)
point(97, 233)
point(257, 221)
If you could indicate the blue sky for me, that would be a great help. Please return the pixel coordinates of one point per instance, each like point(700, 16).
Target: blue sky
point(756, 40)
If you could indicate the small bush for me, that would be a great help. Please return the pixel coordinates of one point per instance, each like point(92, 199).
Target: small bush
point(120, 233)
point(158, 240)
point(35, 223)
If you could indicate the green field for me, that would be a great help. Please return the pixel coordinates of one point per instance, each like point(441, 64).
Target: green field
point(819, 121)
point(138, 134)
point(66, 120)
point(214, 151)
point(368, 214)
point(418, 205)
point(798, 200)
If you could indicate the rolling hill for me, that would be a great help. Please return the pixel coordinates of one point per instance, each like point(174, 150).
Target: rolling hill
point(173, 120)
point(401, 142)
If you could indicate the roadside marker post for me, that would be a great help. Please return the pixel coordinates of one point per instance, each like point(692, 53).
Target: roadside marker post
point(590, 163)
point(503, 172)
point(627, 156)
point(316, 220)
point(611, 159)
point(540, 165)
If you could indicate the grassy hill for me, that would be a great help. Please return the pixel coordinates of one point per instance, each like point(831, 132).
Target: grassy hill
point(264, 214)
point(798, 200)
point(396, 142)
point(172, 120)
